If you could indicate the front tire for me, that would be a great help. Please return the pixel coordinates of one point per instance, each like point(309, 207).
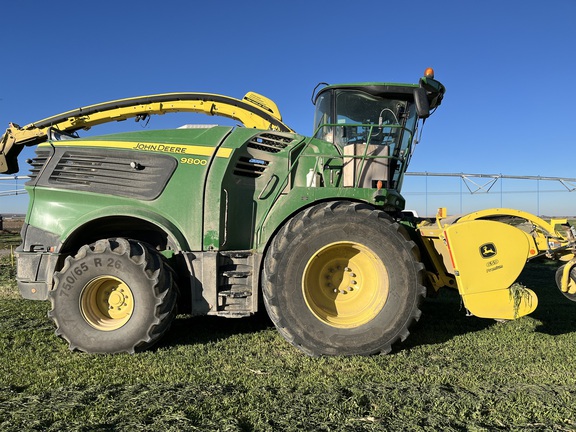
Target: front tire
point(342, 278)
point(115, 295)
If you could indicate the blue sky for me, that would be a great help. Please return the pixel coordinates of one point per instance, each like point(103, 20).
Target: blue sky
point(508, 68)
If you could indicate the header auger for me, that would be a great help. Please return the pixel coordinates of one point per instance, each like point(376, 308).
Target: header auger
point(124, 231)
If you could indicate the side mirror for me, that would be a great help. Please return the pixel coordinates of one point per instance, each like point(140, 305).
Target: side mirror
point(421, 101)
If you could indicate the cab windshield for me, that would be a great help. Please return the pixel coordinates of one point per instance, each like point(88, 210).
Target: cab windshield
point(350, 116)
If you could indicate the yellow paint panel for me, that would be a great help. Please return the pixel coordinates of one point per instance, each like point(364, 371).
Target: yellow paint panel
point(224, 152)
point(500, 304)
point(177, 149)
point(488, 257)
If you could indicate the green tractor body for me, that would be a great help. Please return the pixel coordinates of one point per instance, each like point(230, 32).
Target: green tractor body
point(123, 231)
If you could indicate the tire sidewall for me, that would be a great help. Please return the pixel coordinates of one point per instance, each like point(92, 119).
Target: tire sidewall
point(381, 237)
point(66, 302)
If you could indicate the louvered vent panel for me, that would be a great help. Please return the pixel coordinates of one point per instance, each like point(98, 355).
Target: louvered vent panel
point(37, 163)
point(85, 169)
point(135, 175)
point(250, 167)
point(269, 142)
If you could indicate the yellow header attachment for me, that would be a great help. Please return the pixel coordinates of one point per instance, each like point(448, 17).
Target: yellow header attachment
point(253, 111)
point(483, 253)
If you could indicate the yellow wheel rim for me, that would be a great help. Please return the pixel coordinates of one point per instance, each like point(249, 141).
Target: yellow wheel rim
point(345, 284)
point(106, 303)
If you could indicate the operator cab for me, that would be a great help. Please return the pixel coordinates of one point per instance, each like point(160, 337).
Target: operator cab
point(373, 125)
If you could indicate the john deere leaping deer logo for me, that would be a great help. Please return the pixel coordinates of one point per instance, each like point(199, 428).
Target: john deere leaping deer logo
point(488, 250)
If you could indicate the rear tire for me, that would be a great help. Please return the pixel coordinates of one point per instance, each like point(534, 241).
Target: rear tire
point(115, 295)
point(342, 278)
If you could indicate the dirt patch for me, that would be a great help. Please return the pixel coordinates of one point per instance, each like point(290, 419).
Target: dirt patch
point(11, 224)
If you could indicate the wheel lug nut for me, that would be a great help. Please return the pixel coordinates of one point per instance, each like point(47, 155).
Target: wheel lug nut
point(342, 292)
point(352, 274)
point(347, 269)
point(350, 288)
point(353, 282)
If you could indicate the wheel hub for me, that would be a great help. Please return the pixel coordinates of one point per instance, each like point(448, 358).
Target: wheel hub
point(340, 278)
point(106, 303)
point(345, 284)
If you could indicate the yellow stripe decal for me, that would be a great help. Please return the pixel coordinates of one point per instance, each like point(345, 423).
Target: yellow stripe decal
point(180, 149)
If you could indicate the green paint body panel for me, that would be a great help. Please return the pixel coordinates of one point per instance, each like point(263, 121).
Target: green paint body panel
point(179, 206)
point(223, 188)
point(210, 199)
point(230, 189)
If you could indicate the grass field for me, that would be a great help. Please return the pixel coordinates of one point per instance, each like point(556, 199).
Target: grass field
point(454, 373)
point(8, 240)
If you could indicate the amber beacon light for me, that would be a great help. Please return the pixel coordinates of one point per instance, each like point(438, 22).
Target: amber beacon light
point(429, 72)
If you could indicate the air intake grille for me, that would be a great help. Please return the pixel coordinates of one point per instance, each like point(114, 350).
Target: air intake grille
point(134, 175)
point(37, 163)
point(87, 169)
point(250, 167)
point(268, 142)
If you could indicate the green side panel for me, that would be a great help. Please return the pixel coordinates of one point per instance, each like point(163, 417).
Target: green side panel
point(267, 179)
point(239, 191)
point(62, 212)
point(226, 189)
point(178, 209)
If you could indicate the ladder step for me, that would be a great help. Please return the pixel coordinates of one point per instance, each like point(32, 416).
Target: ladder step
point(234, 314)
point(236, 273)
point(236, 293)
point(236, 254)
